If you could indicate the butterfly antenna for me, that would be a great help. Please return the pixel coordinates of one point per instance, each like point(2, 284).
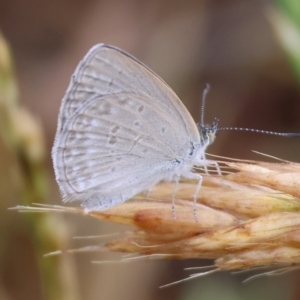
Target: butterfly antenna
point(205, 92)
point(287, 134)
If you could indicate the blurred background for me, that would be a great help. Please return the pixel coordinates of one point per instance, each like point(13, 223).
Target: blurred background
point(249, 52)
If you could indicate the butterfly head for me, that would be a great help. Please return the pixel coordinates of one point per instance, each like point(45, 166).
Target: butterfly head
point(208, 132)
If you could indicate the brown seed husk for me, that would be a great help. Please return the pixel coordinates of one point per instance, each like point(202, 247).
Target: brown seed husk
point(248, 218)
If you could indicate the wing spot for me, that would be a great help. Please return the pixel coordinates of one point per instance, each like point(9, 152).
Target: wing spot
point(115, 129)
point(112, 140)
point(141, 108)
point(123, 101)
point(136, 123)
point(104, 109)
point(163, 130)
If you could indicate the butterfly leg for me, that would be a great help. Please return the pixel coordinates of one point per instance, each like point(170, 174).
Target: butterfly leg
point(207, 162)
point(198, 187)
point(216, 165)
point(196, 194)
point(205, 170)
point(204, 166)
point(176, 178)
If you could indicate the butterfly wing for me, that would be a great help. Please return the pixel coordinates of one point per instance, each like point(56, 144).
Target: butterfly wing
point(106, 69)
point(120, 130)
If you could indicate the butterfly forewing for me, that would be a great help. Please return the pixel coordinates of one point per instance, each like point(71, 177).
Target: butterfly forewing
point(120, 129)
point(106, 69)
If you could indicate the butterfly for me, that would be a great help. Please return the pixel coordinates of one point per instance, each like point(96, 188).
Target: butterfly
point(121, 130)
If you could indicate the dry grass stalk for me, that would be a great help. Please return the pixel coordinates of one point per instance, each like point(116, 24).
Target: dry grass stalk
point(247, 218)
